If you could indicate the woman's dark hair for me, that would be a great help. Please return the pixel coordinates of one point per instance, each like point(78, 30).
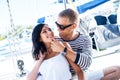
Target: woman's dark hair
point(38, 46)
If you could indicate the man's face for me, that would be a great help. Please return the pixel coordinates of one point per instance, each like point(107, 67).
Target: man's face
point(64, 26)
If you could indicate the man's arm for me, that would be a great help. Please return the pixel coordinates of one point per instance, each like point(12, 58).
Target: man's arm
point(82, 56)
point(77, 69)
point(82, 52)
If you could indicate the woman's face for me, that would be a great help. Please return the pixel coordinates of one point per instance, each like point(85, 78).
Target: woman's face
point(46, 34)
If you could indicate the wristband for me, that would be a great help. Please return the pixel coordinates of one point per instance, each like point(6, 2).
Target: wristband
point(64, 51)
point(77, 58)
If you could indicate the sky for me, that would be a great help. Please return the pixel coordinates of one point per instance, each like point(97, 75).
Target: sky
point(27, 12)
point(24, 12)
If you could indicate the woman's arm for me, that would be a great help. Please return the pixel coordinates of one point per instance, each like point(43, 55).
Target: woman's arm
point(34, 73)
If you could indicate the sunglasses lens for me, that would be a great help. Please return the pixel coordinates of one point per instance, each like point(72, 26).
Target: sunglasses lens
point(60, 26)
point(63, 27)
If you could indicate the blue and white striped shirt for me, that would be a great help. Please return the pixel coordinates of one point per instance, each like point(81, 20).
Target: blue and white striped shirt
point(82, 45)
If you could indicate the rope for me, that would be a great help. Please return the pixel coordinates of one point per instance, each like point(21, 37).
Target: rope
point(13, 29)
point(71, 3)
point(64, 1)
point(11, 19)
point(14, 44)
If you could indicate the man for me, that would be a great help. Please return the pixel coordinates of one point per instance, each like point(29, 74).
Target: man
point(81, 52)
point(80, 46)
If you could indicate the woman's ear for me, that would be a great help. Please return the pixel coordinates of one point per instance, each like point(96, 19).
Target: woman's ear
point(40, 40)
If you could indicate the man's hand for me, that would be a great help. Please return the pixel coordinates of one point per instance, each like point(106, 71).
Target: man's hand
point(57, 46)
point(67, 45)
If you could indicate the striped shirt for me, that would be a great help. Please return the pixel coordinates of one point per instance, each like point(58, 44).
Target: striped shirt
point(82, 45)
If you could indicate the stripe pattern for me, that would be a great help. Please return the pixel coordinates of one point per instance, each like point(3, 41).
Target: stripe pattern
point(82, 45)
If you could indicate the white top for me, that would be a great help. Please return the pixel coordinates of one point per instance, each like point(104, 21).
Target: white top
point(55, 68)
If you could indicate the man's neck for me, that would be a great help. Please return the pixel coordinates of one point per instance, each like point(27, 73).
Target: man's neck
point(72, 36)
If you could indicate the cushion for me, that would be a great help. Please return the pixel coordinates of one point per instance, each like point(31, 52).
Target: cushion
point(101, 20)
point(112, 18)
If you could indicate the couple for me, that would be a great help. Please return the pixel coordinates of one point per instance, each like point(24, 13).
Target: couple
point(53, 56)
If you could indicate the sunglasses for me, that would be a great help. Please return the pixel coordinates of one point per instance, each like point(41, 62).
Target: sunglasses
point(63, 27)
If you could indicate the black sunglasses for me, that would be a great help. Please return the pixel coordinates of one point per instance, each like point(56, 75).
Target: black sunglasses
point(63, 27)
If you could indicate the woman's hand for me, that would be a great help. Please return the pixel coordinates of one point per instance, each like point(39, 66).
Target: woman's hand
point(42, 56)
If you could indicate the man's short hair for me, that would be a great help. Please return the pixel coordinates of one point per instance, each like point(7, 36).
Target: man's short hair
point(70, 14)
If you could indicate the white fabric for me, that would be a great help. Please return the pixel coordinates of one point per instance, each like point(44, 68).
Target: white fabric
point(56, 68)
point(91, 75)
point(94, 75)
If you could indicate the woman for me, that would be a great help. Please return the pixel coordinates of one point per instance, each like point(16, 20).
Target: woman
point(50, 65)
